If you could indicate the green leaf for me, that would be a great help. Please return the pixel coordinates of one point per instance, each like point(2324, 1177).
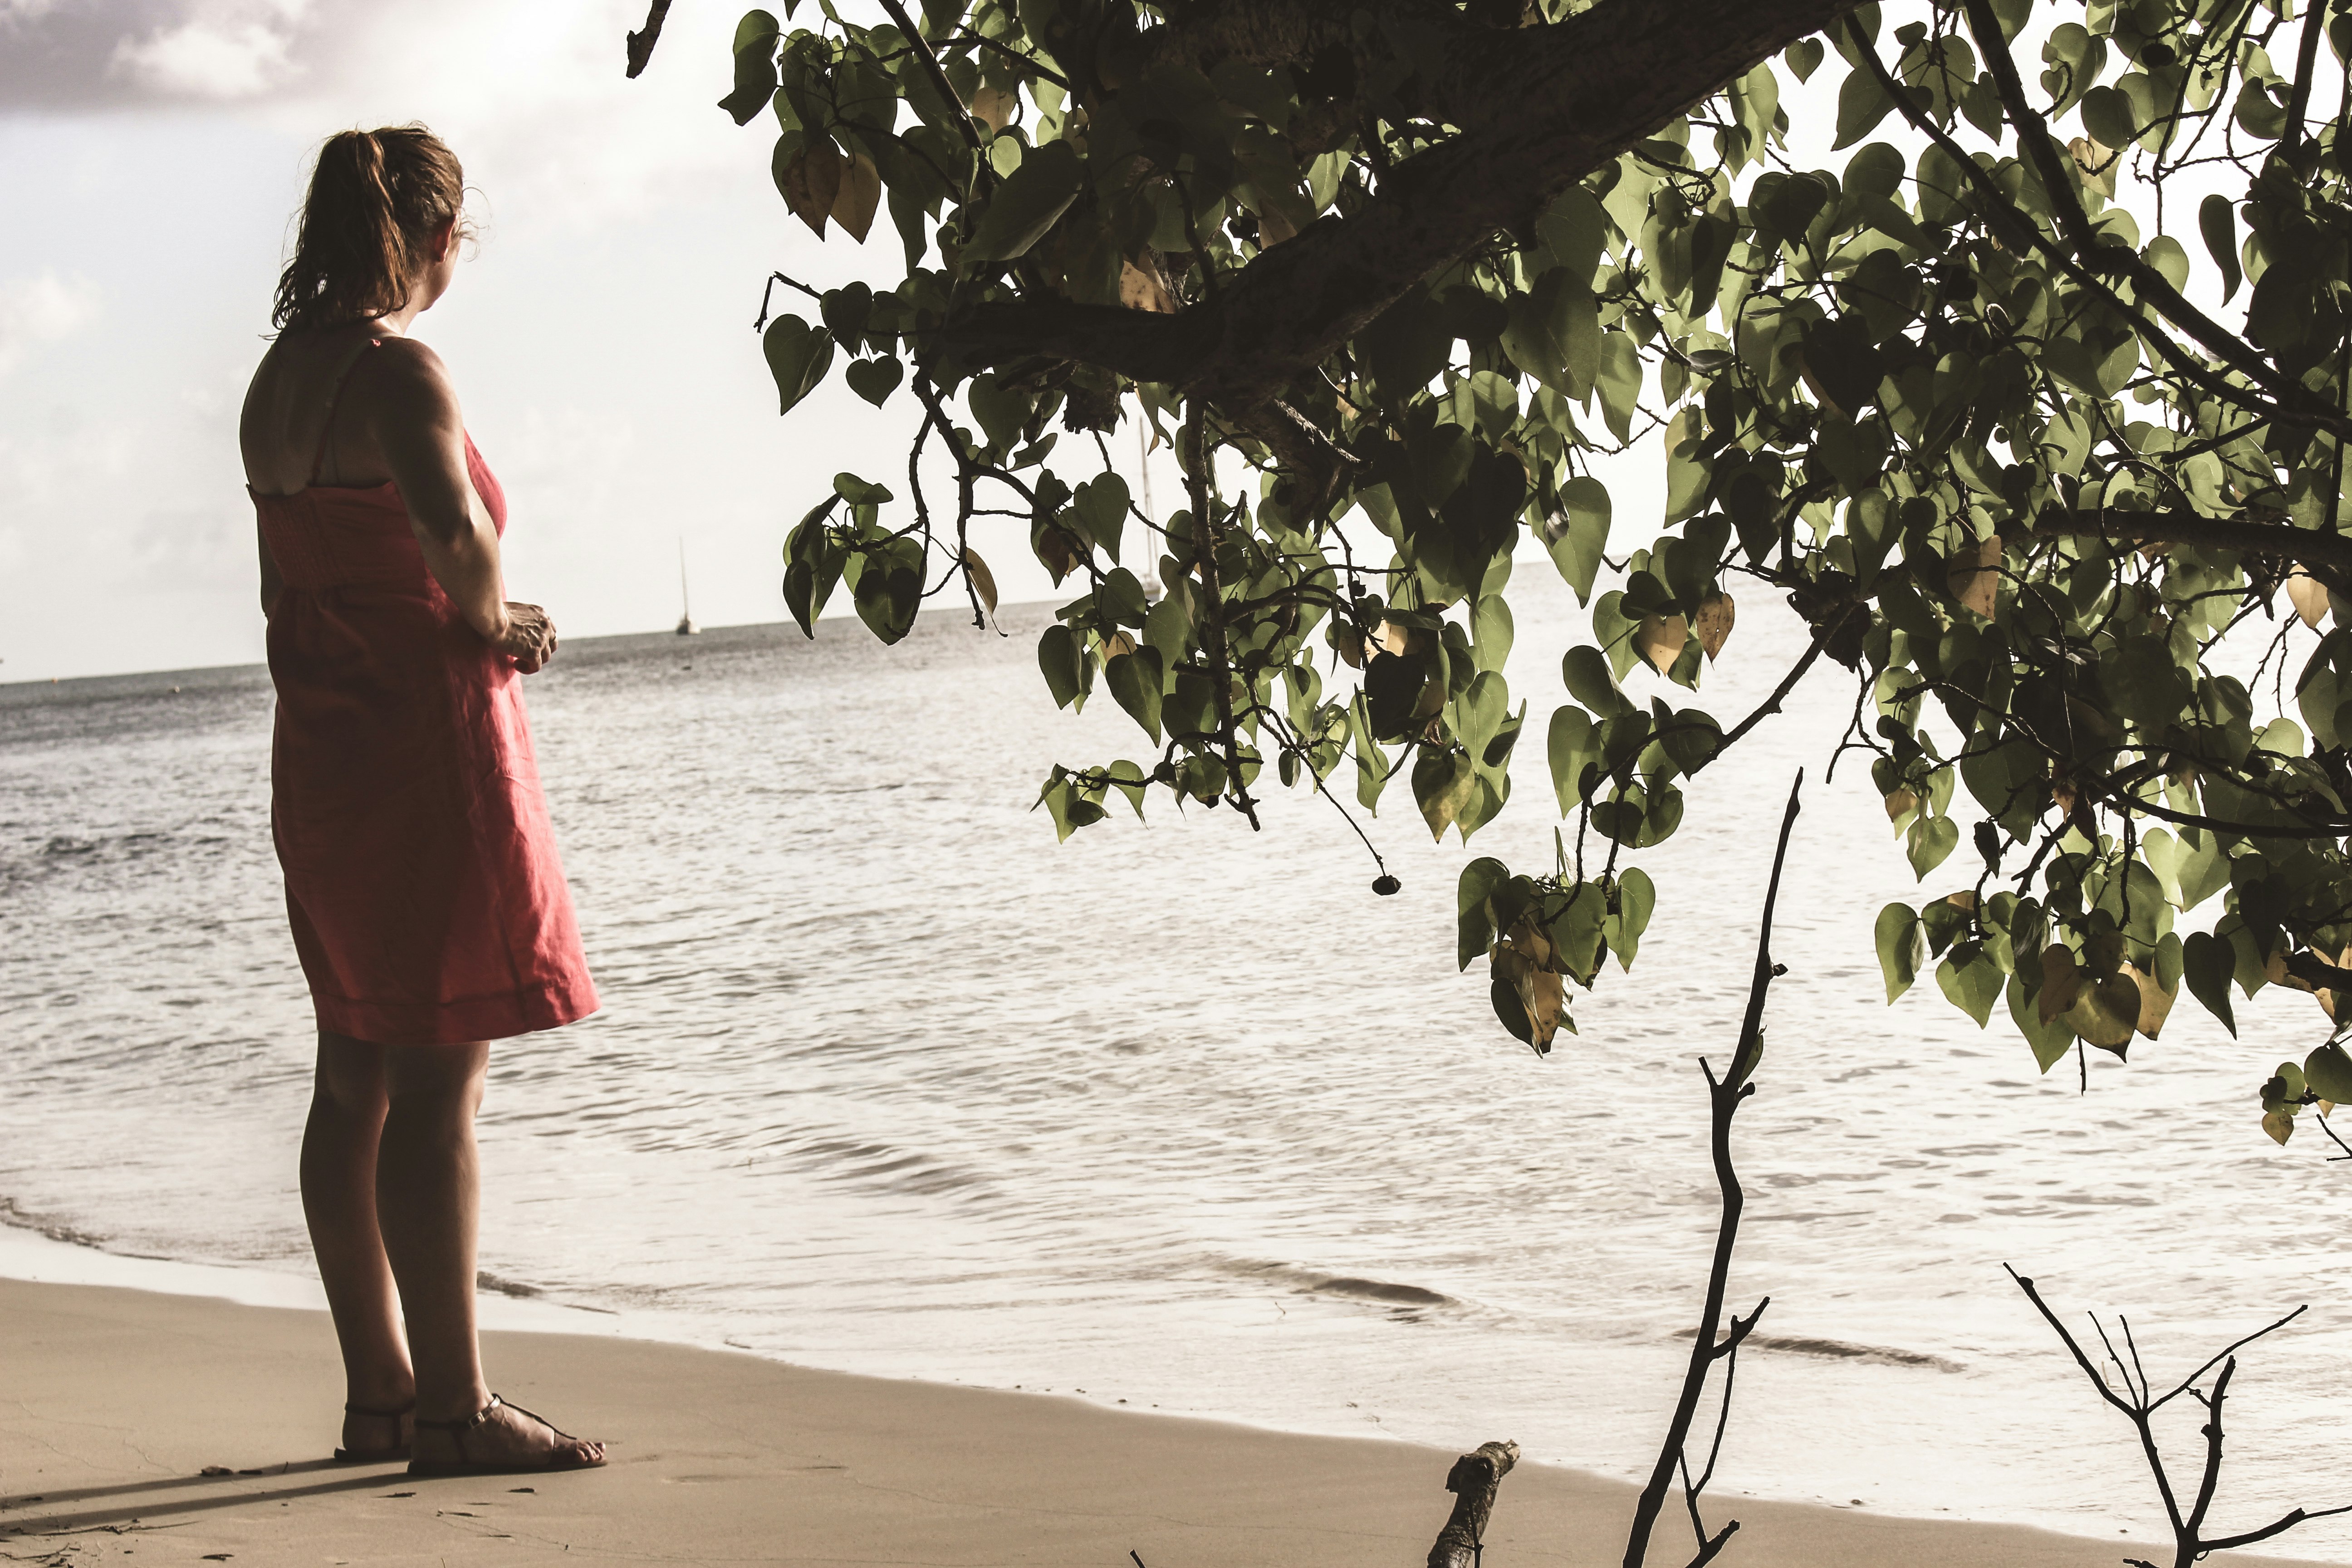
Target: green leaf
point(755, 66)
point(1574, 228)
point(1571, 745)
point(1620, 383)
point(1554, 333)
point(2050, 1041)
point(1973, 986)
point(798, 356)
point(1623, 928)
point(1475, 928)
point(1585, 672)
point(1578, 538)
point(813, 564)
point(873, 379)
point(1063, 664)
point(1491, 631)
point(1135, 680)
point(1027, 204)
point(885, 580)
point(1442, 783)
point(2208, 963)
point(1101, 505)
point(1902, 947)
point(1931, 839)
point(2327, 1071)
point(1862, 104)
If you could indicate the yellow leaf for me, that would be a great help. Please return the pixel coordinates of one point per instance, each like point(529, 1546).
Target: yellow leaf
point(2308, 596)
point(1901, 804)
point(2061, 983)
point(2280, 1126)
point(984, 581)
point(860, 194)
point(1974, 576)
point(1966, 899)
point(812, 185)
point(1145, 287)
point(1115, 645)
point(1659, 638)
point(2154, 1002)
point(1397, 638)
point(993, 107)
point(1715, 616)
point(2107, 1014)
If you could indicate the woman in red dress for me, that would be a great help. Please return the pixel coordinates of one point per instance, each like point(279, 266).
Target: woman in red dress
point(428, 906)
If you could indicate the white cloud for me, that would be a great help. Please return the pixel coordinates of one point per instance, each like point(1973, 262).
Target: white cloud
point(222, 53)
point(42, 308)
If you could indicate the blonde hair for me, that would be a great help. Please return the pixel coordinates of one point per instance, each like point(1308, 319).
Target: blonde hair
point(375, 199)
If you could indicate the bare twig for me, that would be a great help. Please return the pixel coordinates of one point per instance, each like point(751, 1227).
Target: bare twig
point(2139, 1407)
point(1724, 1096)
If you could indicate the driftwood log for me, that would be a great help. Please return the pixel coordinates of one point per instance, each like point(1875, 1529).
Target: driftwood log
point(1473, 1480)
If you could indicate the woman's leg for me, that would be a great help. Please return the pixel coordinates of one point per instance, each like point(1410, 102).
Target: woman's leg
point(338, 1170)
point(428, 1207)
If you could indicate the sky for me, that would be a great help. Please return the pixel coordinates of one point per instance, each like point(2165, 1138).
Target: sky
point(154, 152)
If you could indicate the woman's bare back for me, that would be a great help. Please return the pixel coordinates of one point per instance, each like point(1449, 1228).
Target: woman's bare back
point(314, 384)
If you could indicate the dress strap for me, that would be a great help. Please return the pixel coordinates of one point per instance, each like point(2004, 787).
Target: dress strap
point(334, 393)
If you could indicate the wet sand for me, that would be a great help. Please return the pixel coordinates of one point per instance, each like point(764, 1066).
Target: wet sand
point(114, 1402)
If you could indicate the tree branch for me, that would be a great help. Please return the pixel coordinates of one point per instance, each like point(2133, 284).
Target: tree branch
point(2033, 138)
point(1586, 90)
point(642, 42)
point(1724, 1096)
point(2311, 547)
point(1999, 207)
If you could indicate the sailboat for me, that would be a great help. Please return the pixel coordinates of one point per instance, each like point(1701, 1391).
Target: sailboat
point(686, 627)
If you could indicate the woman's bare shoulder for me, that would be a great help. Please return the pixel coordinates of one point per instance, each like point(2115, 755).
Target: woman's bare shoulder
point(411, 379)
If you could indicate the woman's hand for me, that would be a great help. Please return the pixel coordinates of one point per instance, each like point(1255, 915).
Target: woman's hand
point(527, 637)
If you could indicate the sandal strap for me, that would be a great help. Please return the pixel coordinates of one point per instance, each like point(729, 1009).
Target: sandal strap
point(535, 1415)
point(462, 1423)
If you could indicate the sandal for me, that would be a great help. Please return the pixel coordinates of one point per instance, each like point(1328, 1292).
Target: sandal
point(382, 1456)
point(559, 1459)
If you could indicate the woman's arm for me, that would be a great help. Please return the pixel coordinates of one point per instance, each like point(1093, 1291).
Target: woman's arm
point(412, 412)
point(272, 584)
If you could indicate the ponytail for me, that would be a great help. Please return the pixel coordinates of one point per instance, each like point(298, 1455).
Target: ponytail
point(375, 199)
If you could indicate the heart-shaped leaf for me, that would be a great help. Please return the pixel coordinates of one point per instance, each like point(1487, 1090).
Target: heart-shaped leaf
point(859, 193)
point(889, 590)
point(798, 356)
point(1135, 681)
point(1025, 206)
point(873, 379)
point(809, 182)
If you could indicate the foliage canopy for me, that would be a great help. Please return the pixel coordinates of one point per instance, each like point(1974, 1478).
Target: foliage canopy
point(1426, 259)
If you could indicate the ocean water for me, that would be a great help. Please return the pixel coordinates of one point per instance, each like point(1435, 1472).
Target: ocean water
point(1183, 1117)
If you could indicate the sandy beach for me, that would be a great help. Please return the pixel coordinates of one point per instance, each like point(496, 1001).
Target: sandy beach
point(115, 1403)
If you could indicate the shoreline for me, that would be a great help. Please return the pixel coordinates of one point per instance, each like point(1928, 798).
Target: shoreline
point(122, 1395)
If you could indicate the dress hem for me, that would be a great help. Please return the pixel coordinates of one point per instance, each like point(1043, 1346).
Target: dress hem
point(496, 1017)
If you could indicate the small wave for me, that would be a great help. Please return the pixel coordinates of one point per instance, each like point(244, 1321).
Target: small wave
point(1314, 1282)
point(1841, 1349)
point(12, 1214)
point(485, 1280)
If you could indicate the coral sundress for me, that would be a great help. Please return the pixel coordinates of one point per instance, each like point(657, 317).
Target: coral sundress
point(422, 880)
